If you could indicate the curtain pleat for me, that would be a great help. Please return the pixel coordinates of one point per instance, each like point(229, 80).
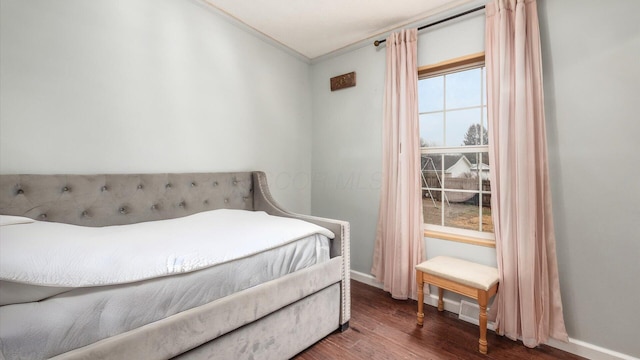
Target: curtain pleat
point(528, 304)
point(399, 238)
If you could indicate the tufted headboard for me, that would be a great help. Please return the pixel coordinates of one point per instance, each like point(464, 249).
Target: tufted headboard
point(117, 199)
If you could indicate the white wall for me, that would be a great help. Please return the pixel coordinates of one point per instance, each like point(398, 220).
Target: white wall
point(592, 82)
point(149, 86)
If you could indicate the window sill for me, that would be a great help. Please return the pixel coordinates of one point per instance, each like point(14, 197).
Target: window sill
point(459, 238)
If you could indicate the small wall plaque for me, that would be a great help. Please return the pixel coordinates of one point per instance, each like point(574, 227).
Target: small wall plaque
point(343, 81)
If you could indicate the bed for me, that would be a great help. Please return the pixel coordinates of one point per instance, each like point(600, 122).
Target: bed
point(238, 303)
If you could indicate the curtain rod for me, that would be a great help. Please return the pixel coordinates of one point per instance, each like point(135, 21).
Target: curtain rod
point(378, 42)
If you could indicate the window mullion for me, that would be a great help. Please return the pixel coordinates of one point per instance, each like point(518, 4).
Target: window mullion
point(452, 109)
point(482, 120)
point(442, 187)
point(444, 141)
point(480, 192)
point(455, 149)
point(479, 165)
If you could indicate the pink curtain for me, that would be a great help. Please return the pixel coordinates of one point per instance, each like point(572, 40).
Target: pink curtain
point(528, 304)
point(399, 236)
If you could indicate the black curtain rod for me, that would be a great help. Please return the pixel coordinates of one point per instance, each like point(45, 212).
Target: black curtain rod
point(378, 42)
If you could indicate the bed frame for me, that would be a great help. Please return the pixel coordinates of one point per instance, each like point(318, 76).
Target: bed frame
point(274, 320)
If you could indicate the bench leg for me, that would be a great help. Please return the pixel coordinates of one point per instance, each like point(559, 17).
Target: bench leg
point(440, 302)
point(420, 298)
point(482, 302)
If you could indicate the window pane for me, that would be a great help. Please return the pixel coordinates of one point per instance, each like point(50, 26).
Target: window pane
point(474, 158)
point(486, 183)
point(432, 130)
point(479, 165)
point(462, 127)
point(475, 134)
point(461, 210)
point(487, 221)
point(431, 207)
point(431, 166)
point(448, 171)
point(484, 86)
point(431, 94)
point(462, 183)
point(464, 88)
point(485, 139)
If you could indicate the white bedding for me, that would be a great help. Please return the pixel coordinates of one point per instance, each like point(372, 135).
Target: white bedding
point(42, 329)
point(182, 277)
point(6, 220)
point(63, 255)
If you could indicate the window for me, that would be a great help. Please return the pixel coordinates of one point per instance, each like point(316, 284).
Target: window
point(456, 192)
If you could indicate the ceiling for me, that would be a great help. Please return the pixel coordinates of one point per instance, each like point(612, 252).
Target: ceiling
point(313, 28)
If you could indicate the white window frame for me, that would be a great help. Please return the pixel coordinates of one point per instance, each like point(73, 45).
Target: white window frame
point(446, 232)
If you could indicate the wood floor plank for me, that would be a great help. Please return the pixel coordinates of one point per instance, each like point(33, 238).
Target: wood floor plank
point(382, 328)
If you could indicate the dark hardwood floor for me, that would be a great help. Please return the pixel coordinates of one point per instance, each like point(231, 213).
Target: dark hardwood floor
point(384, 328)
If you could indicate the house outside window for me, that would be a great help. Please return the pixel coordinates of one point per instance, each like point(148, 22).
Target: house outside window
point(456, 190)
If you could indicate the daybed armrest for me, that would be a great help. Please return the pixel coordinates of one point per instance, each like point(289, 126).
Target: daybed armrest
point(340, 245)
point(263, 201)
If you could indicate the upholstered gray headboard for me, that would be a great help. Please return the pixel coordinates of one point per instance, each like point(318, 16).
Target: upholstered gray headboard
point(116, 199)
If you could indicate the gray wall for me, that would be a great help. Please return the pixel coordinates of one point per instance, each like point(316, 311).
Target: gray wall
point(347, 160)
point(149, 86)
point(592, 84)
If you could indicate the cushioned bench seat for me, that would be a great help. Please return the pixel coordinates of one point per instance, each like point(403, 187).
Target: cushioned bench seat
point(476, 281)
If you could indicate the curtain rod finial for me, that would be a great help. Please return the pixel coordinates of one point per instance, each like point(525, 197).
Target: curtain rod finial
point(376, 43)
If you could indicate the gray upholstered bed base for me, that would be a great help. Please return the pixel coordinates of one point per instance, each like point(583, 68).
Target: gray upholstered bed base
point(275, 320)
point(278, 335)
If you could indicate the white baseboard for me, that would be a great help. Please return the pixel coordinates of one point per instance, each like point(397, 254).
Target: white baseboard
point(574, 346)
point(365, 279)
point(589, 350)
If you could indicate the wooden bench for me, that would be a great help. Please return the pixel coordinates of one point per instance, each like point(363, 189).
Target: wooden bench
point(466, 278)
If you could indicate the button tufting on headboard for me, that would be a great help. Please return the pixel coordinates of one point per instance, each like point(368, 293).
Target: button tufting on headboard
point(116, 199)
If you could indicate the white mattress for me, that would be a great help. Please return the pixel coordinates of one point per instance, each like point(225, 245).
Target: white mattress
point(55, 254)
point(81, 316)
